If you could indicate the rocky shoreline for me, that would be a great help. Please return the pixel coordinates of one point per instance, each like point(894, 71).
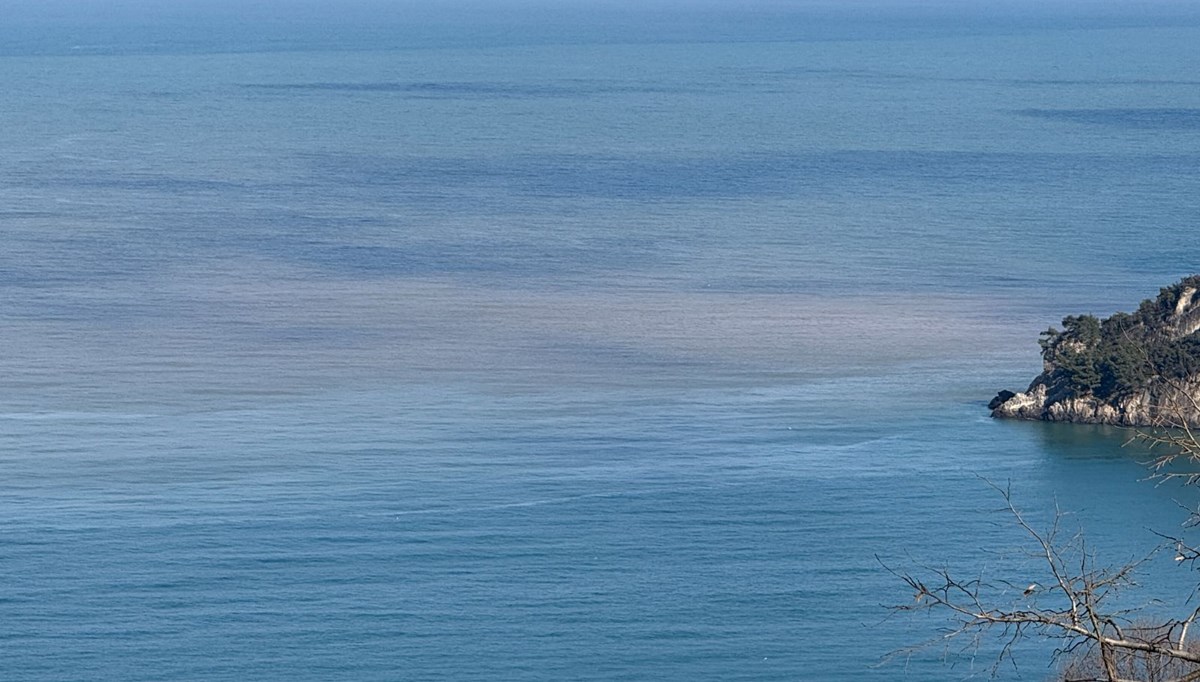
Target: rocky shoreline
point(1138, 369)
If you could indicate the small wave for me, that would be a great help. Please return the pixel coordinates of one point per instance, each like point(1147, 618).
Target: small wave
point(512, 505)
point(1139, 119)
point(72, 416)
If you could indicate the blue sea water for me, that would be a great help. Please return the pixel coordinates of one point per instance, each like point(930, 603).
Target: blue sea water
point(544, 342)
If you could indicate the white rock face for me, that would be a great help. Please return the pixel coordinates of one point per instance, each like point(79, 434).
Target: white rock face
point(1160, 404)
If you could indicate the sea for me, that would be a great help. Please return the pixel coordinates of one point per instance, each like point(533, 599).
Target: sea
point(535, 340)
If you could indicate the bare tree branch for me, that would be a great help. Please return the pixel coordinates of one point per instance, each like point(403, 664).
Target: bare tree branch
point(1073, 606)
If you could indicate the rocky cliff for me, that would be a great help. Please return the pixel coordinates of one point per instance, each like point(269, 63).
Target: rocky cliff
point(1131, 369)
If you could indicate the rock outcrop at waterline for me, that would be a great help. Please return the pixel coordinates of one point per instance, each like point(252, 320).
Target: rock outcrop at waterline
point(1132, 369)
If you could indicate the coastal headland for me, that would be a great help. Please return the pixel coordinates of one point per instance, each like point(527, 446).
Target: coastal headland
point(1139, 369)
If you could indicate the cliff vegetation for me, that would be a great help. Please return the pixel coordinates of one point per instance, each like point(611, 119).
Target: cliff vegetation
point(1132, 369)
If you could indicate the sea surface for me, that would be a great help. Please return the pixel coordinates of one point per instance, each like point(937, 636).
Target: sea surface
point(577, 341)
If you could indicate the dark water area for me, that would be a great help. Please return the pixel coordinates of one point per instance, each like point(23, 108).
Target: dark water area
point(573, 343)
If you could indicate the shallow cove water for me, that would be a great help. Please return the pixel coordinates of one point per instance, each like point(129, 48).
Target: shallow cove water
point(560, 345)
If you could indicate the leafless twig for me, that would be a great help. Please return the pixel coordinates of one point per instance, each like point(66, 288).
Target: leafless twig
point(1074, 605)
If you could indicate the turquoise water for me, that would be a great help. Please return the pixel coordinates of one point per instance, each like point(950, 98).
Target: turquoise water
point(559, 343)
